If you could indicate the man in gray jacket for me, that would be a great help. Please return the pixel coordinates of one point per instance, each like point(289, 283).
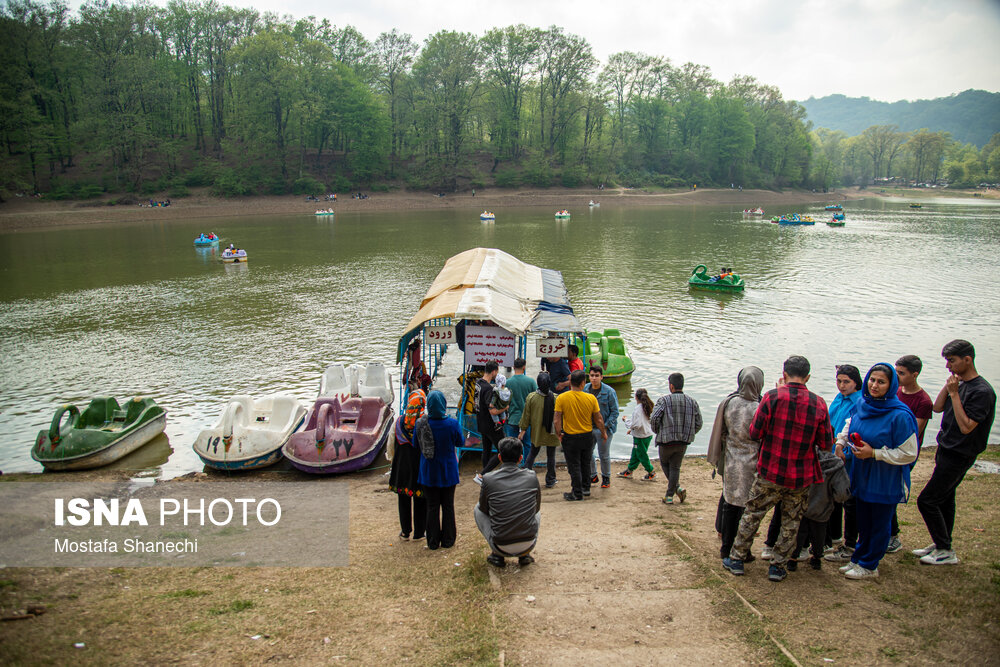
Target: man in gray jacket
point(508, 513)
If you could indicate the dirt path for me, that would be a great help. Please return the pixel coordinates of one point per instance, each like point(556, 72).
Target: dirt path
point(613, 585)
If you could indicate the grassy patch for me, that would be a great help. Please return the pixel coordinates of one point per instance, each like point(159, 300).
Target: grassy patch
point(233, 607)
point(185, 593)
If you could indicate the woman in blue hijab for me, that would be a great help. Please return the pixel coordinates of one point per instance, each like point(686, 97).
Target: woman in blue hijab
point(842, 528)
point(438, 438)
point(877, 444)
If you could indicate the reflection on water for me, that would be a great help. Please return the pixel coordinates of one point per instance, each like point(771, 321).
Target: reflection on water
point(136, 309)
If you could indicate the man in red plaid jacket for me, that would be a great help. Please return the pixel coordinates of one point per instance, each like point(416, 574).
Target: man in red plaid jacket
point(791, 423)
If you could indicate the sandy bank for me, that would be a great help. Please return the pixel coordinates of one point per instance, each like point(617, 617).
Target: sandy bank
point(22, 214)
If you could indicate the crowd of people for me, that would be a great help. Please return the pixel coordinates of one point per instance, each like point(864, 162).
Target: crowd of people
point(833, 475)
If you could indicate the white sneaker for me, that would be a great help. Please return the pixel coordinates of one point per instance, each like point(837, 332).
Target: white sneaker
point(920, 553)
point(478, 479)
point(940, 557)
point(841, 554)
point(833, 547)
point(846, 568)
point(861, 573)
point(767, 553)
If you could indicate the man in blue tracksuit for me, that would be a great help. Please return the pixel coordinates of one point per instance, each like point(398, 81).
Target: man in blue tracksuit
point(607, 398)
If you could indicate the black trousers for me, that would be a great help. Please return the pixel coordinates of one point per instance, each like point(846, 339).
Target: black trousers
point(730, 516)
point(578, 448)
point(441, 531)
point(416, 505)
point(937, 501)
point(550, 463)
point(813, 534)
point(490, 442)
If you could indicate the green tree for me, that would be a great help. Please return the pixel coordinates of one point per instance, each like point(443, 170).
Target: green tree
point(510, 56)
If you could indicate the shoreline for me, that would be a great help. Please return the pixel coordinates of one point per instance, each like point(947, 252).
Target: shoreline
point(30, 214)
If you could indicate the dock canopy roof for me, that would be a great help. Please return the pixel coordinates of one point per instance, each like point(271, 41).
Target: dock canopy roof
point(489, 284)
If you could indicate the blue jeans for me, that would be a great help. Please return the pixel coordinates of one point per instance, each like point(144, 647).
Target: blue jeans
point(511, 431)
point(603, 453)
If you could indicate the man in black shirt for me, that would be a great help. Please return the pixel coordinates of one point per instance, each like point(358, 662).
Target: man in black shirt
point(969, 406)
point(490, 431)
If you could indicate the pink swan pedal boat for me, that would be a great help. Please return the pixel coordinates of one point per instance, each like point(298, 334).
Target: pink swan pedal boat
point(340, 435)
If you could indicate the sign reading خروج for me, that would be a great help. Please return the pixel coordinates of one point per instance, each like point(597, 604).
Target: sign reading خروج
point(440, 335)
point(551, 347)
point(484, 344)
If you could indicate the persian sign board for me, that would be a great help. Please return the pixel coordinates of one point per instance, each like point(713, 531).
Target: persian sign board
point(551, 347)
point(440, 335)
point(483, 344)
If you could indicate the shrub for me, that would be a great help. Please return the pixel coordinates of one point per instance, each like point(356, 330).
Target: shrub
point(539, 174)
point(572, 177)
point(307, 185)
point(507, 178)
point(340, 184)
point(380, 187)
point(89, 191)
point(201, 176)
point(229, 184)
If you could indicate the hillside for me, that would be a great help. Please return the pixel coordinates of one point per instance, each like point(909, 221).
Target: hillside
point(972, 116)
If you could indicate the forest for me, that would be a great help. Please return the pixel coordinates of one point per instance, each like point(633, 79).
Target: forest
point(134, 98)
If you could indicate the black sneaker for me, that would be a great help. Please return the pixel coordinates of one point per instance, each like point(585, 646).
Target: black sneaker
point(816, 563)
point(526, 559)
point(554, 482)
point(792, 565)
point(606, 483)
point(595, 479)
point(496, 560)
point(570, 496)
point(776, 573)
point(625, 473)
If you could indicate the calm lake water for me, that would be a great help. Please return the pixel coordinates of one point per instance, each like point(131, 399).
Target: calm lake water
point(134, 309)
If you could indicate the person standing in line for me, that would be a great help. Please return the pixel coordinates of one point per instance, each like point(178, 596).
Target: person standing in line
point(576, 415)
point(675, 420)
point(490, 431)
point(508, 513)
point(438, 437)
point(573, 359)
point(642, 434)
point(559, 372)
point(791, 423)
point(521, 386)
point(842, 526)
point(607, 398)
point(968, 404)
point(734, 453)
point(538, 415)
point(405, 468)
point(908, 367)
point(878, 443)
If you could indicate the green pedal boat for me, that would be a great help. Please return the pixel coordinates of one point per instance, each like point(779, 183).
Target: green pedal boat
point(101, 434)
point(725, 281)
point(607, 350)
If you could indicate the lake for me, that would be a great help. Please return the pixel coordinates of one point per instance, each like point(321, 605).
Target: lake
point(134, 309)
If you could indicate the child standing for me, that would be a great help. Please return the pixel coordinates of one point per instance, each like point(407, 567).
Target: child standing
point(642, 434)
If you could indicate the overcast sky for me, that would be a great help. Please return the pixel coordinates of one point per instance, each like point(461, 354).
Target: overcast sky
point(884, 49)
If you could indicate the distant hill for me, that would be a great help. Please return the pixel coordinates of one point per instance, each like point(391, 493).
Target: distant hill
point(972, 116)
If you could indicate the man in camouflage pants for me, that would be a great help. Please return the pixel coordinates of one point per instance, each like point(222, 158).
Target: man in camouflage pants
point(791, 422)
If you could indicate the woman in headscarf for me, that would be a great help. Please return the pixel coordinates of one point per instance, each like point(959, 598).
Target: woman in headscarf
point(734, 453)
point(438, 438)
point(406, 467)
point(539, 407)
point(842, 528)
point(877, 444)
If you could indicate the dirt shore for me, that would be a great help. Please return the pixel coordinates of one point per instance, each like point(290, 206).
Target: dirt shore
point(24, 214)
point(619, 579)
